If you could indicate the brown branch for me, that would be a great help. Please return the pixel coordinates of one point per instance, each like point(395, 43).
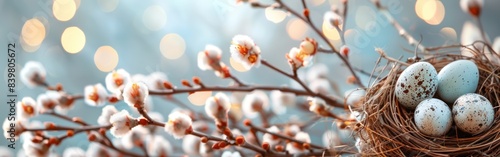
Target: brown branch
point(318, 32)
point(328, 100)
point(64, 117)
point(292, 76)
point(411, 40)
point(64, 128)
point(263, 130)
point(235, 79)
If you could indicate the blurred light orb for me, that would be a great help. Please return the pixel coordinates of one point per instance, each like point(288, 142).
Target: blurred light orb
point(108, 5)
point(33, 32)
point(73, 39)
point(154, 18)
point(77, 3)
point(237, 66)
point(64, 10)
point(106, 58)
point(449, 33)
point(317, 2)
point(296, 29)
point(199, 98)
point(330, 32)
point(439, 14)
point(27, 47)
point(429, 8)
point(419, 8)
point(275, 15)
point(172, 46)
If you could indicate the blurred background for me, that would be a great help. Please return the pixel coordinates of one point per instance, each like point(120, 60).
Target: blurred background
point(79, 42)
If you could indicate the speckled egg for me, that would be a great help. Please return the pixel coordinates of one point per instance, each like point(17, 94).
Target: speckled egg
point(473, 113)
point(433, 117)
point(416, 83)
point(456, 79)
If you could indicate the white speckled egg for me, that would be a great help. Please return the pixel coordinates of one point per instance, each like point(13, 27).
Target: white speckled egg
point(416, 83)
point(433, 117)
point(473, 113)
point(456, 79)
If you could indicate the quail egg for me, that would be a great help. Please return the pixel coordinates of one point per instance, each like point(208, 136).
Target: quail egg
point(473, 113)
point(433, 117)
point(456, 79)
point(416, 83)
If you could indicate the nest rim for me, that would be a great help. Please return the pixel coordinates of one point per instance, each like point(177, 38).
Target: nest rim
point(388, 128)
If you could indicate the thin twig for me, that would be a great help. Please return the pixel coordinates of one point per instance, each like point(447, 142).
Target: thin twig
point(330, 101)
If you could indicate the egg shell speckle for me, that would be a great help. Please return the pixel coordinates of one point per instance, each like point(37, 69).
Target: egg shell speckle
point(416, 83)
point(473, 113)
point(456, 79)
point(433, 117)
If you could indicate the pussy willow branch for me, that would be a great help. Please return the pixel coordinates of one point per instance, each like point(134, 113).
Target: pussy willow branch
point(330, 101)
point(304, 5)
point(344, 17)
point(65, 128)
point(64, 117)
point(86, 127)
point(199, 134)
point(263, 130)
point(292, 76)
point(298, 141)
point(318, 32)
point(481, 29)
point(235, 79)
point(398, 27)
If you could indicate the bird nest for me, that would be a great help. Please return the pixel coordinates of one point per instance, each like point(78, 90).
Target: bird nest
point(388, 128)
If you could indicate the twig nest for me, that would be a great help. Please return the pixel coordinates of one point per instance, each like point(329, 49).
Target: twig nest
point(391, 126)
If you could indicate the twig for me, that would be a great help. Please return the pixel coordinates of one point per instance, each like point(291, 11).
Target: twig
point(398, 27)
point(481, 28)
point(292, 76)
point(318, 32)
point(64, 117)
point(64, 128)
point(327, 99)
point(382, 53)
point(235, 79)
point(213, 138)
point(260, 129)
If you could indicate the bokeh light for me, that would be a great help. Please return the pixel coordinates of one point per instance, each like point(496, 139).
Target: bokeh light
point(154, 18)
point(275, 15)
point(199, 98)
point(439, 14)
point(172, 46)
point(27, 47)
point(73, 39)
point(296, 29)
point(64, 10)
point(237, 65)
point(330, 32)
point(317, 2)
point(449, 33)
point(77, 3)
point(106, 58)
point(33, 32)
point(428, 9)
point(108, 5)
